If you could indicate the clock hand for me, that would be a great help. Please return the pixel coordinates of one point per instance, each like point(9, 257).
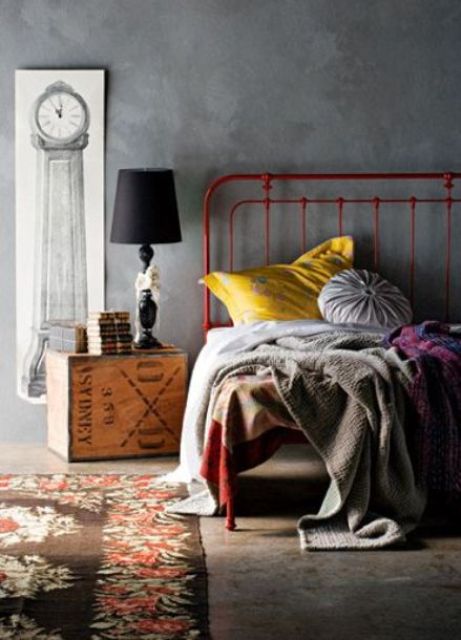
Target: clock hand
point(58, 110)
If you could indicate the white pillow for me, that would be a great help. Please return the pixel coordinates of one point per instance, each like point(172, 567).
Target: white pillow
point(363, 297)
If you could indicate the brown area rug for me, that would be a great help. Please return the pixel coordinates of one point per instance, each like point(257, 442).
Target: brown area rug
point(96, 557)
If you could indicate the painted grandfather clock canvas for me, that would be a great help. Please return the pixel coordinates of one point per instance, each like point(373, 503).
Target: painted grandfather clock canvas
point(59, 210)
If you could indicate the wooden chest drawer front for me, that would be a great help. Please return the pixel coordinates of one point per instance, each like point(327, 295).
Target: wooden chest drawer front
point(126, 406)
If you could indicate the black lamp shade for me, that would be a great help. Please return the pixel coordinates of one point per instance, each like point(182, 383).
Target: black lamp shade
point(145, 210)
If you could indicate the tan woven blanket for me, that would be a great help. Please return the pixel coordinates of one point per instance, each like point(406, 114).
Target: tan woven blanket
point(347, 393)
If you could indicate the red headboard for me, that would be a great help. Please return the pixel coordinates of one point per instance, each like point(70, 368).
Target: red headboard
point(379, 192)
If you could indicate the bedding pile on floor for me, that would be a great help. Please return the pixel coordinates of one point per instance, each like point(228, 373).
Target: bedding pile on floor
point(329, 382)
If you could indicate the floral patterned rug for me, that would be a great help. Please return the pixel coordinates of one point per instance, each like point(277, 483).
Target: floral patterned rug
point(96, 557)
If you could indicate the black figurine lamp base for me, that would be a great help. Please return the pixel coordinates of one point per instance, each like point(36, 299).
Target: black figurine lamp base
point(147, 341)
point(147, 308)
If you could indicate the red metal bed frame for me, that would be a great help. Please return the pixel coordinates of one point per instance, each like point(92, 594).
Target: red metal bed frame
point(266, 181)
point(445, 182)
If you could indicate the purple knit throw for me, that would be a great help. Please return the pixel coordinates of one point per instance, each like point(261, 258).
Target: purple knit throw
point(435, 394)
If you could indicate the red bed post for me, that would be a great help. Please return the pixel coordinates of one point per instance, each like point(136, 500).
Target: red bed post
point(230, 513)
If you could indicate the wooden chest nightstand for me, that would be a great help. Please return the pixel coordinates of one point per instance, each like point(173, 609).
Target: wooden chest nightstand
point(115, 406)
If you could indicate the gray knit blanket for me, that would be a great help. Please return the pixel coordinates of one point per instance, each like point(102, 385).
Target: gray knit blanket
point(347, 393)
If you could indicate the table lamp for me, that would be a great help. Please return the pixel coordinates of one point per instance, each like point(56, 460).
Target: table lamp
point(145, 213)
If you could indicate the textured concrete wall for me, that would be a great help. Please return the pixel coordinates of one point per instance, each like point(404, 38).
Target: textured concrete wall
point(212, 86)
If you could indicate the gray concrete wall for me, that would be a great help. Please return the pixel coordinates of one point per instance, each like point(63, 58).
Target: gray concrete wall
point(209, 87)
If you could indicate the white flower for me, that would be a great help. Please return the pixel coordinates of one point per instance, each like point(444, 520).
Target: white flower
point(20, 626)
point(32, 524)
point(149, 280)
point(27, 576)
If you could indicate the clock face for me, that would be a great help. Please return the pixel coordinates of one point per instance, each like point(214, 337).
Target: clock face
point(61, 116)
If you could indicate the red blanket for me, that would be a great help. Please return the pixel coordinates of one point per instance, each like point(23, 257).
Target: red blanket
point(249, 423)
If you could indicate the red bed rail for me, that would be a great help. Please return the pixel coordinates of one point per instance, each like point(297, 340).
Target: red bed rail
point(267, 181)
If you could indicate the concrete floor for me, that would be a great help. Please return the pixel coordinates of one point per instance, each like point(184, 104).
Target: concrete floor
point(262, 587)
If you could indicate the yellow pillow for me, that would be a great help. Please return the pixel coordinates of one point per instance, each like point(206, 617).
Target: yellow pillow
point(282, 291)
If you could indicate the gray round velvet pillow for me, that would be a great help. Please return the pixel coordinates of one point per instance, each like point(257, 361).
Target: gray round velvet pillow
point(363, 297)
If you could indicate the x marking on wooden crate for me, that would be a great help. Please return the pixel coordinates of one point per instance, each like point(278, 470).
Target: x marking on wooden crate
point(150, 404)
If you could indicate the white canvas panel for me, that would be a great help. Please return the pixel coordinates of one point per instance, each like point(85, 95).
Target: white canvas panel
point(59, 209)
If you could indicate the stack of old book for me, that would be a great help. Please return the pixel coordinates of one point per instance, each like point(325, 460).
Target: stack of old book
point(68, 336)
point(109, 332)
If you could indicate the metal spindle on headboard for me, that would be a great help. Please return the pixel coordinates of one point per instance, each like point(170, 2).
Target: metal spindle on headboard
point(267, 208)
point(233, 211)
point(267, 181)
point(376, 204)
point(340, 202)
point(448, 184)
point(412, 248)
point(303, 203)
